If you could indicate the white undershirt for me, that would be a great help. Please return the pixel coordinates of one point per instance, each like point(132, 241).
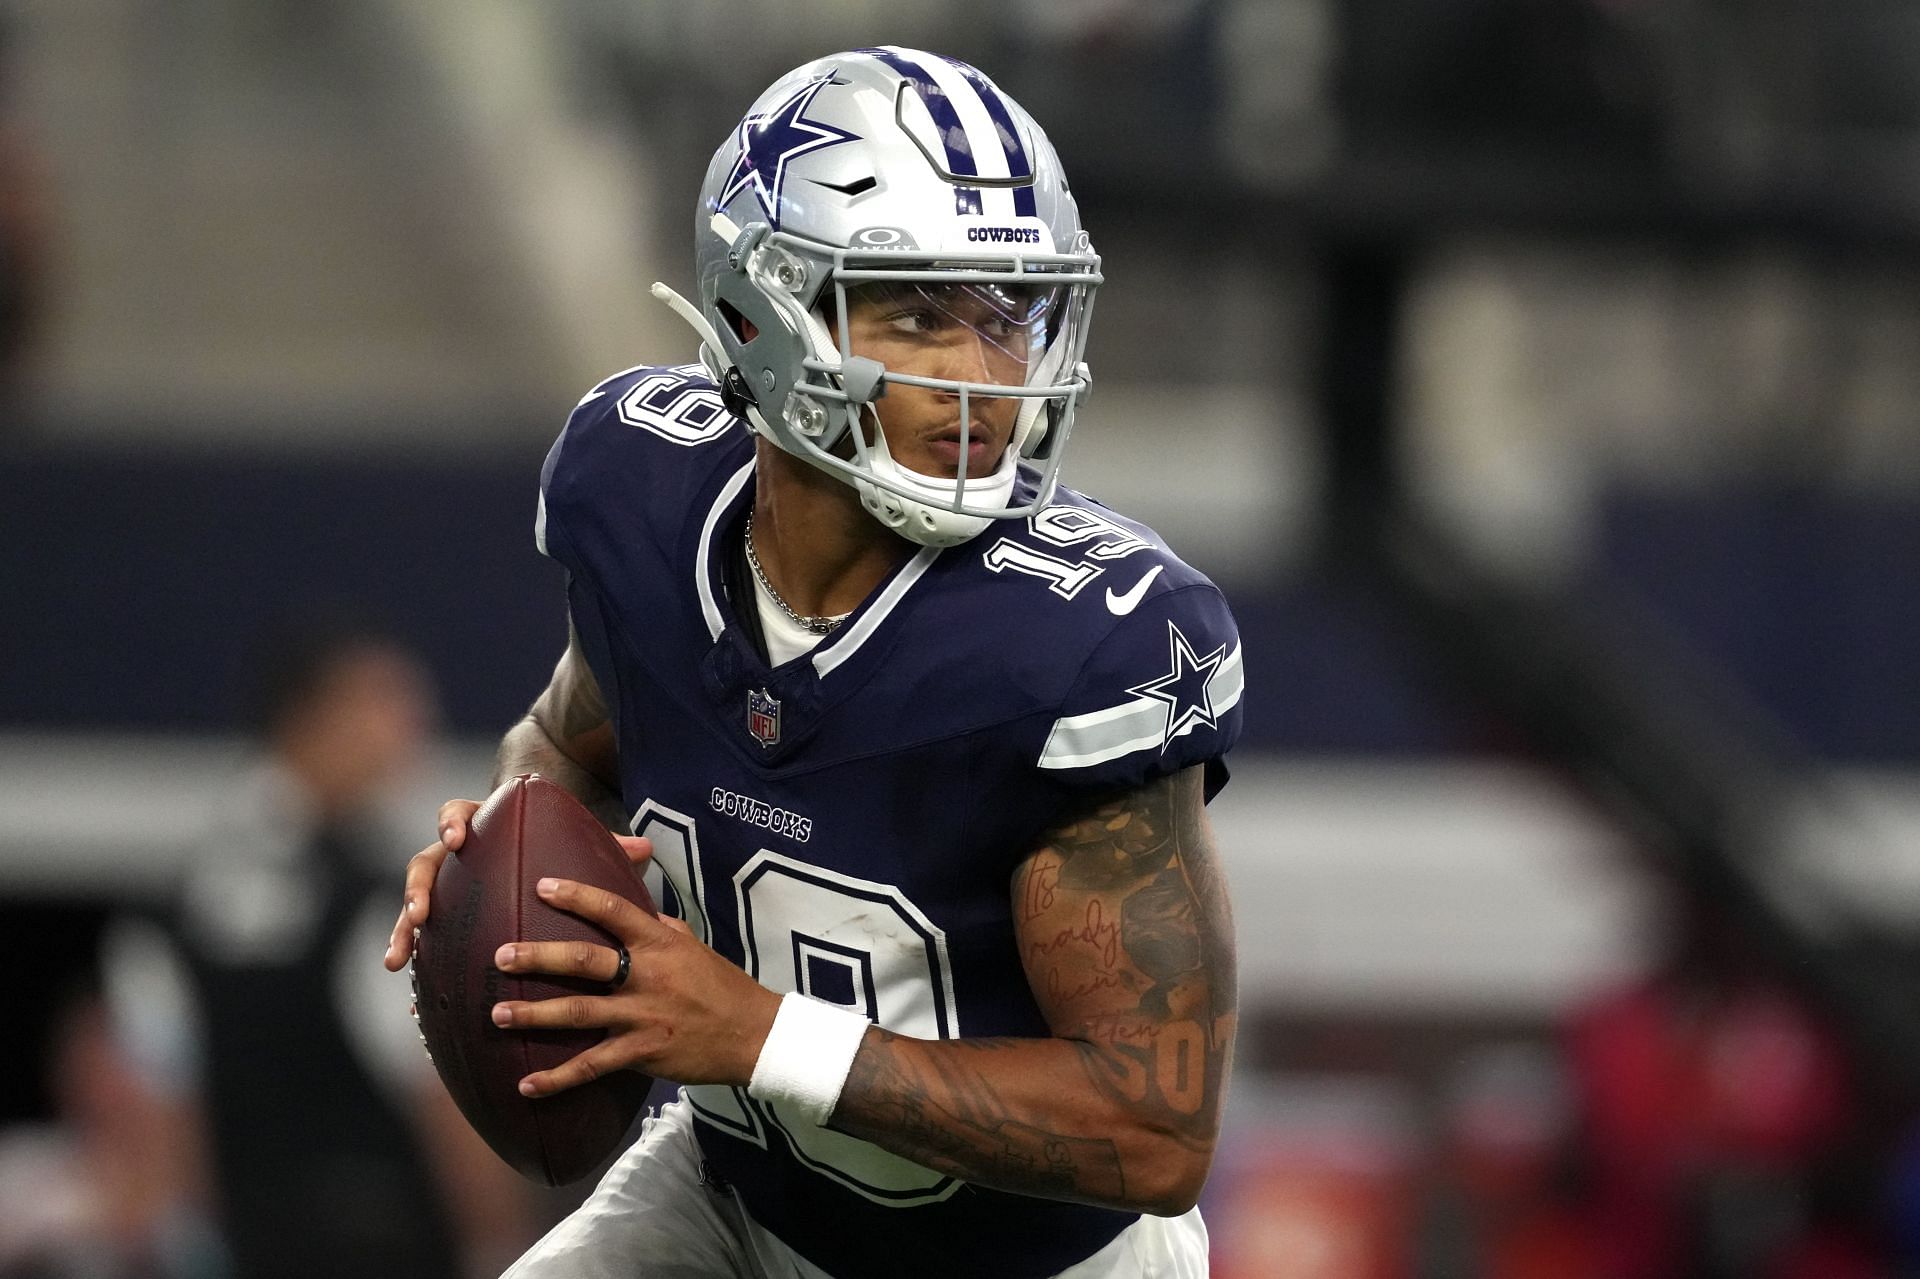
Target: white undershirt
point(786, 638)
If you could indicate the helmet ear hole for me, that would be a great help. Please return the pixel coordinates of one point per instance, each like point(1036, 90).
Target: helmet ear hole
point(739, 325)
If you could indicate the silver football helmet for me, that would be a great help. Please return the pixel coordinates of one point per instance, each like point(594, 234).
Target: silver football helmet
point(903, 173)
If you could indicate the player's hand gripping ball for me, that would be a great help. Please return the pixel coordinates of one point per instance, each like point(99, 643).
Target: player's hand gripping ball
point(483, 898)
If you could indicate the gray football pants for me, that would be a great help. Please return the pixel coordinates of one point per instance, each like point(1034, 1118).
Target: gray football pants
point(652, 1218)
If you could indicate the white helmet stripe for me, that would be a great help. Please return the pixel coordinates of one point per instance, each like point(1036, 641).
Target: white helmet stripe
point(981, 137)
point(1016, 150)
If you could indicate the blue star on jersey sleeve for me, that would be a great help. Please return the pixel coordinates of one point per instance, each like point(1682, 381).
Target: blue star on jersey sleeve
point(1187, 689)
point(1161, 693)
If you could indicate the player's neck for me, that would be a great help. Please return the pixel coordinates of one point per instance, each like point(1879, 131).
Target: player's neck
point(822, 553)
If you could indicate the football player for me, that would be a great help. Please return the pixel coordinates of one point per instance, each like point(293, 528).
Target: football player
point(914, 740)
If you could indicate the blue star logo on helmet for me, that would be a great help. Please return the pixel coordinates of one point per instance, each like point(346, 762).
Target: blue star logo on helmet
point(770, 142)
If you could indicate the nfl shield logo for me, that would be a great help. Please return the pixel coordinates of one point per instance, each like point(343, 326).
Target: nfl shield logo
point(763, 717)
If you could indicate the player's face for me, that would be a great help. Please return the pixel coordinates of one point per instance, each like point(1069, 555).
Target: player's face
point(965, 333)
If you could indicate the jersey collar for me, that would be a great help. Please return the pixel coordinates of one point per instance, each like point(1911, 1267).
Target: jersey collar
point(837, 649)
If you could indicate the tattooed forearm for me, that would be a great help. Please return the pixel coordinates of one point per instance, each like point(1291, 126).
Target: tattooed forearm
point(1158, 1004)
point(1161, 935)
point(939, 1104)
point(1114, 844)
point(1126, 936)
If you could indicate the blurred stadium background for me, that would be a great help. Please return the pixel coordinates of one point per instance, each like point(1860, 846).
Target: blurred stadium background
point(1541, 378)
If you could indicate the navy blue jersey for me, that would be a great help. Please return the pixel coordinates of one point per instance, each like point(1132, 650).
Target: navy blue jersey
point(847, 824)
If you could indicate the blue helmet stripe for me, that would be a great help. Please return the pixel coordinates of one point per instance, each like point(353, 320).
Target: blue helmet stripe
point(952, 134)
point(1017, 162)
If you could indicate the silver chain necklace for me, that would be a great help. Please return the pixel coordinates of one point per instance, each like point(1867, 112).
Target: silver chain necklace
point(821, 625)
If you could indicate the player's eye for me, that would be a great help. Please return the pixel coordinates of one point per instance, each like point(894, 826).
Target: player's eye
point(914, 319)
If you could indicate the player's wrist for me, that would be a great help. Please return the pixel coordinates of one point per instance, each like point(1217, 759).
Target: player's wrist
point(807, 1056)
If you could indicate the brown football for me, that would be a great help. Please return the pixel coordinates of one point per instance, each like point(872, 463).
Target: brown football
point(484, 897)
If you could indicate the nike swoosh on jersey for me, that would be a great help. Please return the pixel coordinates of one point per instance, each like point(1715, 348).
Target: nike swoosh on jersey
point(1121, 605)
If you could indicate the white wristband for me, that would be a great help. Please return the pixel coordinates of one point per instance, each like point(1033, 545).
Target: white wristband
point(807, 1056)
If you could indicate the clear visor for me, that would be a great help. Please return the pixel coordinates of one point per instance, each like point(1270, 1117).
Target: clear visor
point(989, 334)
point(1003, 335)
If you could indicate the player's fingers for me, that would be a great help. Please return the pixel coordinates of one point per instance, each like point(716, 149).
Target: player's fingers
point(559, 958)
point(638, 848)
point(400, 945)
point(452, 821)
point(569, 1012)
point(602, 1059)
point(422, 870)
point(416, 896)
point(610, 910)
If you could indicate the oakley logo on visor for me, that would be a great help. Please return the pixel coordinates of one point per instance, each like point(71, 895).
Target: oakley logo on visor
point(883, 237)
